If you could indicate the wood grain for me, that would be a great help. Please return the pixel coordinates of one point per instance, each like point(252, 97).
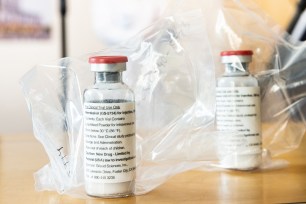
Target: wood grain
point(22, 155)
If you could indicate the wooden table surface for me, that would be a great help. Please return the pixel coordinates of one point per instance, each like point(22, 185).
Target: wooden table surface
point(22, 155)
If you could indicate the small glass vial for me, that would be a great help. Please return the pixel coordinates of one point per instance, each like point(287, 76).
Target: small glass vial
point(109, 131)
point(238, 113)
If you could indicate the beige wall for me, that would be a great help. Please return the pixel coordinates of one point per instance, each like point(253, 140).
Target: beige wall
point(280, 11)
point(81, 37)
point(16, 57)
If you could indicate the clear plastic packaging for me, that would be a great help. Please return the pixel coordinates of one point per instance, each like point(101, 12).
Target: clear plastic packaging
point(173, 67)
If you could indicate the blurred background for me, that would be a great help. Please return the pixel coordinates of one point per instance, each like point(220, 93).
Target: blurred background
point(33, 32)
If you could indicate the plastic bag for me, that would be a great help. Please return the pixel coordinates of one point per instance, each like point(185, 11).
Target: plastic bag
point(173, 66)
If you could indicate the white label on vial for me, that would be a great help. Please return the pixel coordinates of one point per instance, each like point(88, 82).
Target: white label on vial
point(238, 111)
point(109, 145)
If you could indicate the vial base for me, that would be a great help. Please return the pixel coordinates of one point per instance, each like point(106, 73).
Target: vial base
point(110, 190)
point(241, 162)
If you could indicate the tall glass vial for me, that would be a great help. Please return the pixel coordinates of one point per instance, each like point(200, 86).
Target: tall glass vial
point(238, 113)
point(109, 130)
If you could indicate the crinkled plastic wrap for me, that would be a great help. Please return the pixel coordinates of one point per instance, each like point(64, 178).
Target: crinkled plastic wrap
point(173, 67)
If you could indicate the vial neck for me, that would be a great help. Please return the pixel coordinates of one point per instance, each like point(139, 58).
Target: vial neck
point(236, 69)
point(108, 77)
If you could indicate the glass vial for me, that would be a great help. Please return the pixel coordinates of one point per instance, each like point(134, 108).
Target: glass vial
point(238, 113)
point(109, 131)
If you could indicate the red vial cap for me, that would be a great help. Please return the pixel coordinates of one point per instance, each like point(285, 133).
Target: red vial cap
point(107, 59)
point(237, 52)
